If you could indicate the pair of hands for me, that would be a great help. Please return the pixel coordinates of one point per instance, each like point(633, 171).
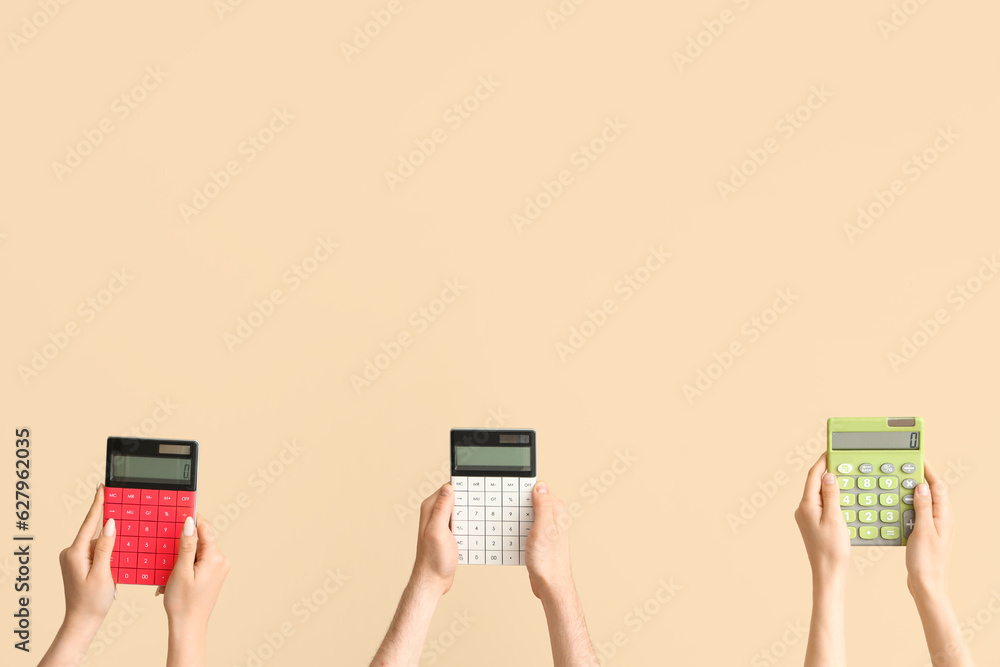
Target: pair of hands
point(188, 597)
point(546, 554)
point(823, 529)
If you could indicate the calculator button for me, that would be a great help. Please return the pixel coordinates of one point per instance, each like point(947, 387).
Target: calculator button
point(510, 558)
point(477, 543)
point(887, 468)
point(461, 498)
point(494, 484)
point(147, 529)
point(494, 558)
point(130, 512)
point(494, 514)
point(477, 484)
point(867, 516)
point(463, 542)
point(510, 513)
point(846, 483)
point(477, 498)
point(148, 513)
point(520, 556)
point(165, 561)
point(511, 543)
point(166, 546)
point(112, 495)
point(127, 528)
point(463, 557)
point(850, 516)
point(145, 561)
point(888, 499)
point(112, 512)
point(493, 499)
point(126, 559)
point(909, 483)
point(868, 532)
point(477, 528)
point(150, 497)
point(846, 499)
point(185, 499)
point(867, 499)
point(909, 519)
point(511, 499)
point(908, 499)
point(460, 483)
point(887, 483)
point(458, 513)
point(494, 528)
point(866, 468)
point(131, 496)
point(527, 484)
point(161, 577)
point(146, 545)
point(908, 468)
point(845, 468)
point(144, 577)
point(524, 500)
point(477, 557)
point(166, 530)
point(477, 513)
point(167, 514)
point(890, 532)
point(852, 532)
point(168, 497)
point(524, 528)
point(128, 544)
point(510, 528)
point(866, 482)
point(183, 513)
point(126, 575)
point(524, 544)
point(889, 516)
point(459, 527)
point(511, 484)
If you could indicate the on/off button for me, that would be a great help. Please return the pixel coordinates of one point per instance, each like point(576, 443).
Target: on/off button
point(845, 468)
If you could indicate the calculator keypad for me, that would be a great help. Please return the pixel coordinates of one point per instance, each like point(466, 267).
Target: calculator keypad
point(492, 519)
point(871, 506)
point(148, 525)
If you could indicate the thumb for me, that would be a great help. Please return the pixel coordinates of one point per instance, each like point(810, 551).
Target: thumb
point(541, 500)
point(441, 512)
point(103, 548)
point(923, 506)
point(830, 491)
point(188, 546)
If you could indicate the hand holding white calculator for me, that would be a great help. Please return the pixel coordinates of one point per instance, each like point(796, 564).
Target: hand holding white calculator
point(493, 473)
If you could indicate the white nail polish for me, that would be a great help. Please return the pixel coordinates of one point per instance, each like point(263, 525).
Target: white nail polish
point(189, 526)
point(109, 528)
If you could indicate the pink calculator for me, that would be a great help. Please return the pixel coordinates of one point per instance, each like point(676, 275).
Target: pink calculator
point(149, 490)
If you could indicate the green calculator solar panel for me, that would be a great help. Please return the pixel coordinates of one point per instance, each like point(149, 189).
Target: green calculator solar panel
point(878, 462)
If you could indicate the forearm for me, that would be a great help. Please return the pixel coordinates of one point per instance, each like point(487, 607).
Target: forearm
point(187, 644)
point(71, 643)
point(404, 640)
point(945, 644)
point(827, 645)
point(571, 645)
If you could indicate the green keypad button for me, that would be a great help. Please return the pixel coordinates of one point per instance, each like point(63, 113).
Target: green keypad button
point(889, 516)
point(888, 499)
point(849, 516)
point(890, 532)
point(867, 516)
point(846, 499)
point(866, 482)
point(866, 499)
point(852, 532)
point(846, 482)
point(887, 483)
point(868, 532)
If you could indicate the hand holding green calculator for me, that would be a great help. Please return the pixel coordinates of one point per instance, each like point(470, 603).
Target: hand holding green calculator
point(878, 462)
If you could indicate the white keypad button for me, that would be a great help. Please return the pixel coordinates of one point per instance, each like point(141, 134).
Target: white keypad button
point(477, 557)
point(494, 484)
point(461, 498)
point(463, 556)
point(493, 499)
point(477, 498)
point(477, 543)
point(511, 484)
point(511, 558)
point(460, 483)
point(494, 558)
point(845, 468)
point(476, 484)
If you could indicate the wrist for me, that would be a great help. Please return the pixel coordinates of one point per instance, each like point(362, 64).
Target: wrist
point(927, 590)
point(556, 590)
point(426, 587)
point(82, 624)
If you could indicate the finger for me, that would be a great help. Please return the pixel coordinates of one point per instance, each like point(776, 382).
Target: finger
point(92, 522)
point(923, 506)
point(830, 492)
point(440, 513)
point(188, 547)
point(208, 547)
point(811, 491)
point(939, 493)
point(427, 508)
point(103, 547)
point(160, 590)
point(541, 500)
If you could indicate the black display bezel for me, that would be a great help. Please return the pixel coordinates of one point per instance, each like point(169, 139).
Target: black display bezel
point(150, 447)
point(485, 437)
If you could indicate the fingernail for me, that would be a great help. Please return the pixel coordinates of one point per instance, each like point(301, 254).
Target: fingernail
point(446, 490)
point(541, 487)
point(109, 528)
point(189, 526)
point(923, 490)
point(829, 478)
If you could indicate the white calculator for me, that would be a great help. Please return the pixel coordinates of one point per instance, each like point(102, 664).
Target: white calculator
point(493, 473)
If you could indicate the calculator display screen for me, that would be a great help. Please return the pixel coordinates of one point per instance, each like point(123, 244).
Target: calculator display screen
point(499, 458)
point(876, 440)
point(150, 468)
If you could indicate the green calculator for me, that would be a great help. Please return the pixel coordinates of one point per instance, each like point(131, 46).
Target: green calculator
point(878, 462)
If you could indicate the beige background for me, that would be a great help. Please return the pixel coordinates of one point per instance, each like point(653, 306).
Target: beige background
point(493, 351)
